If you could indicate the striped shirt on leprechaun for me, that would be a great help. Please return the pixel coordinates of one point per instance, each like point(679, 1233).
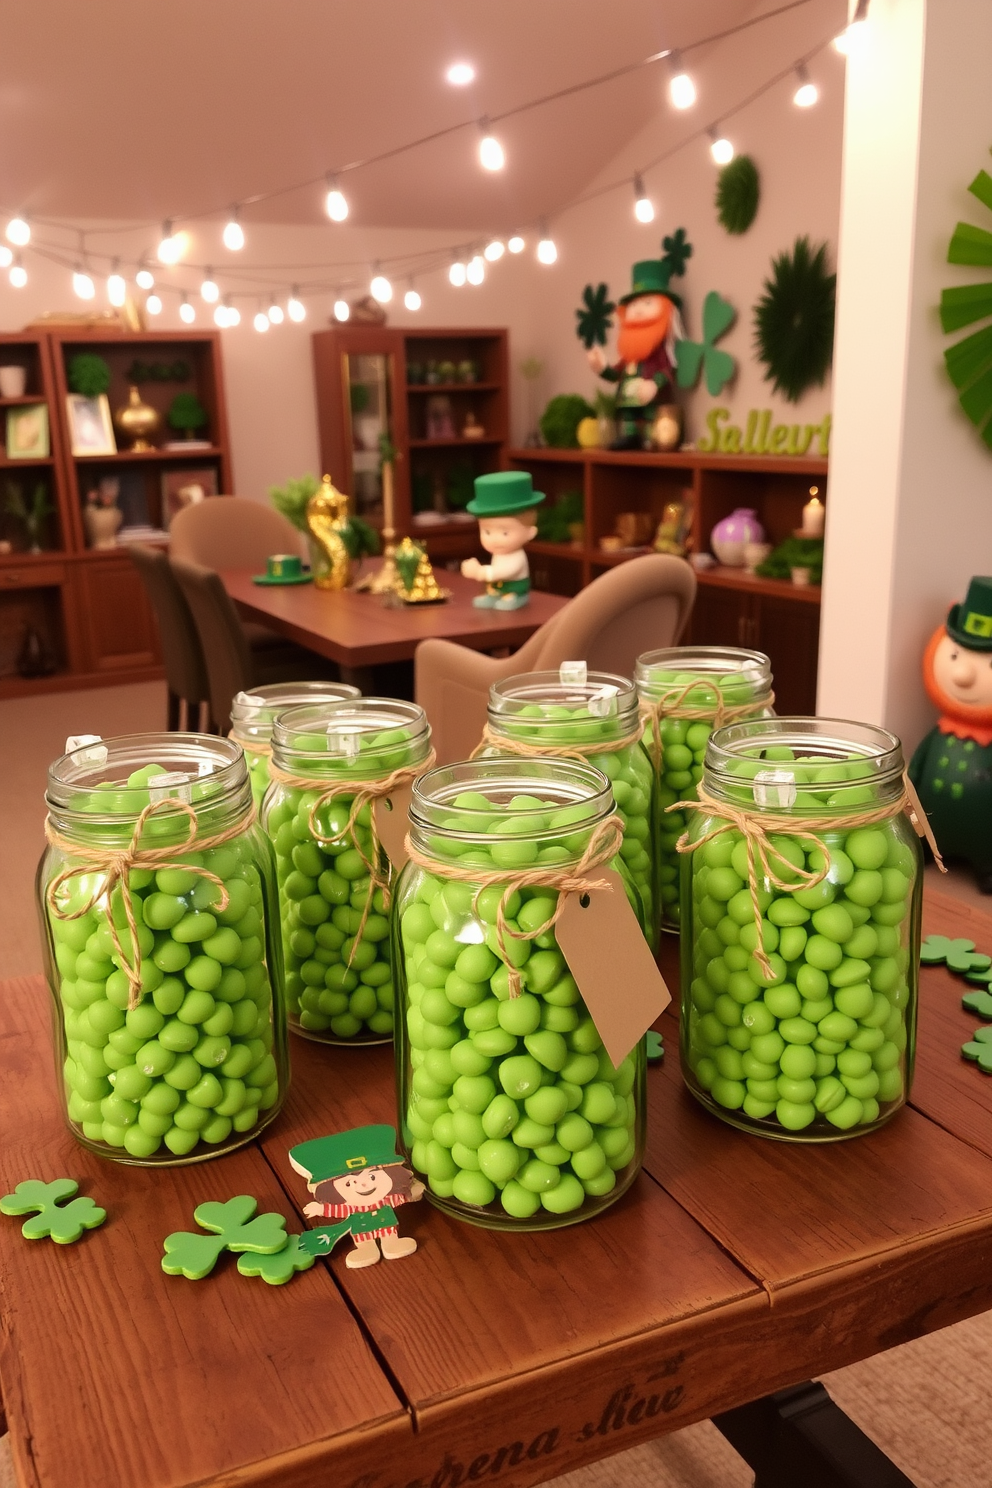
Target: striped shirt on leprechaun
point(344, 1211)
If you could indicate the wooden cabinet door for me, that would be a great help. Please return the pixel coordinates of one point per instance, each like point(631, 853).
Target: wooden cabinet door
point(721, 617)
point(788, 631)
point(115, 621)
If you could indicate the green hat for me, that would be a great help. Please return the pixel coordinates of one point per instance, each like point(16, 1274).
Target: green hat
point(503, 493)
point(970, 624)
point(346, 1152)
point(651, 276)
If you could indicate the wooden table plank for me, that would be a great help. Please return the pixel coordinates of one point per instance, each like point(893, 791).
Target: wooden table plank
point(358, 630)
point(113, 1372)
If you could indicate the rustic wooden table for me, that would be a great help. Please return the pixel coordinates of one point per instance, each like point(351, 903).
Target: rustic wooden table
point(734, 1267)
point(357, 630)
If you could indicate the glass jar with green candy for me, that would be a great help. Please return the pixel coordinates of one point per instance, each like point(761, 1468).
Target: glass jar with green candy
point(157, 897)
point(590, 716)
point(509, 1105)
point(686, 692)
point(801, 929)
point(330, 763)
point(253, 714)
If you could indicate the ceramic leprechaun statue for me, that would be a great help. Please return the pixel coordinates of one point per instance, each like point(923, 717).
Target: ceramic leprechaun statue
point(358, 1179)
point(952, 767)
point(506, 506)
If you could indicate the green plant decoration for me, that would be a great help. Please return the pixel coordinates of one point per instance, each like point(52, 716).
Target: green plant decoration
point(969, 361)
point(291, 499)
point(139, 371)
point(605, 403)
point(407, 560)
point(554, 521)
point(596, 318)
point(89, 374)
point(676, 252)
point(359, 538)
point(718, 367)
point(738, 191)
point(187, 413)
point(561, 418)
point(32, 517)
point(358, 395)
point(795, 552)
point(794, 320)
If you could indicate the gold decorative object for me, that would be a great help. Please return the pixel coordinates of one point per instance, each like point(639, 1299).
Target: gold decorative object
point(327, 514)
point(423, 588)
point(385, 580)
point(666, 431)
point(136, 420)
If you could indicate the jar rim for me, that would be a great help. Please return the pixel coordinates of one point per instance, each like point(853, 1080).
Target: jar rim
point(254, 711)
point(826, 740)
point(748, 667)
point(434, 793)
point(342, 723)
point(605, 694)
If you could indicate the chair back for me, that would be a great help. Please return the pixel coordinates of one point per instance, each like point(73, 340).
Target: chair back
point(185, 669)
point(231, 532)
point(223, 642)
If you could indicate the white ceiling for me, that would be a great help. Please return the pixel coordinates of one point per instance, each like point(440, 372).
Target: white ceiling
point(136, 110)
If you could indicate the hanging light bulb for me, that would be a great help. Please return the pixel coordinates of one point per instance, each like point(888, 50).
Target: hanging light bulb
point(144, 278)
point(491, 155)
point(475, 270)
point(493, 250)
point(460, 74)
point(342, 310)
point(220, 316)
point(643, 205)
point(261, 321)
point(336, 202)
point(18, 232)
point(516, 244)
point(171, 246)
point(681, 88)
point(208, 289)
point(276, 316)
point(153, 305)
point(851, 36)
point(380, 288)
point(187, 312)
point(295, 308)
point(82, 284)
point(720, 148)
point(116, 285)
point(233, 314)
point(807, 93)
point(547, 252)
point(6, 257)
point(234, 233)
point(18, 275)
point(412, 299)
point(457, 273)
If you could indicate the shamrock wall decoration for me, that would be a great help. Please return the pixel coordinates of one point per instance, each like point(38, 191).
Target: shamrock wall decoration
point(676, 252)
point(718, 367)
point(969, 361)
point(596, 318)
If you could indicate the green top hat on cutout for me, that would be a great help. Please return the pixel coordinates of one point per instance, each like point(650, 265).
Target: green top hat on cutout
point(650, 276)
point(504, 493)
point(346, 1152)
point(970, 624)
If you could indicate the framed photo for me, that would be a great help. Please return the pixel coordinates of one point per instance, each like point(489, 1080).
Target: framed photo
point(185, 488)
point(90, 425)
point(27, 432)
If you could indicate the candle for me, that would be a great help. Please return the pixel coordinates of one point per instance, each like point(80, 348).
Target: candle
point(814, 515)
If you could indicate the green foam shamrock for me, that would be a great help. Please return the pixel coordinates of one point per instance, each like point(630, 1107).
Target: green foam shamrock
point(278, 1268)
point(676, 251)
point(718, 366)
point(595, 320)
point(979, 976)
point(63, 1223)
point(194, 1256)
point(656, 1049)
point(980, 1049)
point(936, 948)
point(965, 961)
point(978, 1002)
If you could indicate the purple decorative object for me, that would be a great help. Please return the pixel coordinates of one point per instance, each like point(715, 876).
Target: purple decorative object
point(729, 536)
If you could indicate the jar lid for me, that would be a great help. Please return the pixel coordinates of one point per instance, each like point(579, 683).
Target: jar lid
point(253, 713)
point(740, 675)
point(567, 706)
point(804, 765)
point(360, 737)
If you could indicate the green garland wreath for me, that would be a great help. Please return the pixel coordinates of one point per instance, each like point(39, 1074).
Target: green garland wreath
point(738, 191)
point(969, 361)
point(794, 320)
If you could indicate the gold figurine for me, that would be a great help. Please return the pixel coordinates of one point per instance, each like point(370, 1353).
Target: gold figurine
point(327, 516)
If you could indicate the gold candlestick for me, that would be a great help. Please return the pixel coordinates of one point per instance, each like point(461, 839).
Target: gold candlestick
point(385, 580)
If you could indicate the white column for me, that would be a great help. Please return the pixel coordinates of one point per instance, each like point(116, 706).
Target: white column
point(910, 494)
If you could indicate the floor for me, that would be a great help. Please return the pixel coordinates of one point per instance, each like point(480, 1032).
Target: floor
point(926, 1404)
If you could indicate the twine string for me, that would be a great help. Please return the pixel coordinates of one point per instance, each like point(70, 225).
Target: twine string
point(603, 845)
point(115, 866)
point(505, 744)
point(673, 704)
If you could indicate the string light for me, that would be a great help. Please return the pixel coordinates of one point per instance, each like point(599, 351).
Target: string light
point(516, 244)
point(172, 245)
point(720, 148)
point(643, 205)
point(82, 284)
point(276, 316)
point(336, 203)
point(153, 305)
point(18, 232)
point(457, 274)
point(116, 285)
point(6, 257)
point(342, 310)
point(547, 252)
point(412, 299)
point(493, 250)
point(295, 308)
point(220, 316)
point(491, 154)
point(681, 88)
point(807, 93)
point(380, 288)
point(187, 312)
point(144, 278)
point(850, 37)
point(18, 275)
point(460, 74)
point(261, 321)
point(475, 272)
point(234, 234)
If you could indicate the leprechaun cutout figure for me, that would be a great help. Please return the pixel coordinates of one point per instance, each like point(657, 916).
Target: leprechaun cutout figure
point(952, 766)
point(351, 1176)
point(506, 506)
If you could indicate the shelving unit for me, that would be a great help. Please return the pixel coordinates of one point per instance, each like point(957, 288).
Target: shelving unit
point(89, 605)
point(732, 608)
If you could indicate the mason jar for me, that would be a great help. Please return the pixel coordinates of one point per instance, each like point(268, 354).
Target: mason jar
point(171, 1050)
point(593, 717)
point(686, 692)
point(253, 714)
point(509, 1105)
point(329, 762)
point(812, 1038)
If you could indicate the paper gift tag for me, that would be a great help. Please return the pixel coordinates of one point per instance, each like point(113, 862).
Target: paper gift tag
point(612, 965)
point(392, 822)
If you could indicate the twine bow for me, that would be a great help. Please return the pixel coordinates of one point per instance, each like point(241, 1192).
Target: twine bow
point(672, 704)
point(504, 744)
point(115, 866)
point(362, 794)
point(762, 855)
point(603, 845)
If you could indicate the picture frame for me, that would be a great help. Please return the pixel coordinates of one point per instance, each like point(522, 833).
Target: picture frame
point(27, 432)
point(181, 488)
point(90, 425)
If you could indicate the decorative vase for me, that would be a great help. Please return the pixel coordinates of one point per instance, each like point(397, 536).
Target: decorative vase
point(101, 523)
point(606, 431)
point(666, 431)
point(729, 536)
point(587, 433)
point(327, 514)
point(136, 420)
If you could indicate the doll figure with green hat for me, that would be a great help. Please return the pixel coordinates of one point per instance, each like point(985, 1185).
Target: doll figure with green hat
point(506, 506)
point(952, 766)
point(351, 1176)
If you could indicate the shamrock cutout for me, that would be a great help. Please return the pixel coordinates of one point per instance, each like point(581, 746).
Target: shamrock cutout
point(64, 1223)
point(194, 1256)
point(964, 961)
point(676, 251)
point(280, 1267)
point(718, 366)
point(936, 949)
point(980, 1049)
point(595, 320)
point(656, 1049)
point(979, 977)
point(978, 1002)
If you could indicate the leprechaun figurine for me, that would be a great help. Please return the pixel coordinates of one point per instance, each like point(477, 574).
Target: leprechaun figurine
point(351, 1175)
point(506, 506)
point(952, 766)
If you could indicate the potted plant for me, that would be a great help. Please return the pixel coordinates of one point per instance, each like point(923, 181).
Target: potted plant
point(187, 414)
point(32, 517)
point(292, 500)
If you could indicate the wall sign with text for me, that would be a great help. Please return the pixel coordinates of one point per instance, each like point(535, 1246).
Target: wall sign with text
point(760, 436)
